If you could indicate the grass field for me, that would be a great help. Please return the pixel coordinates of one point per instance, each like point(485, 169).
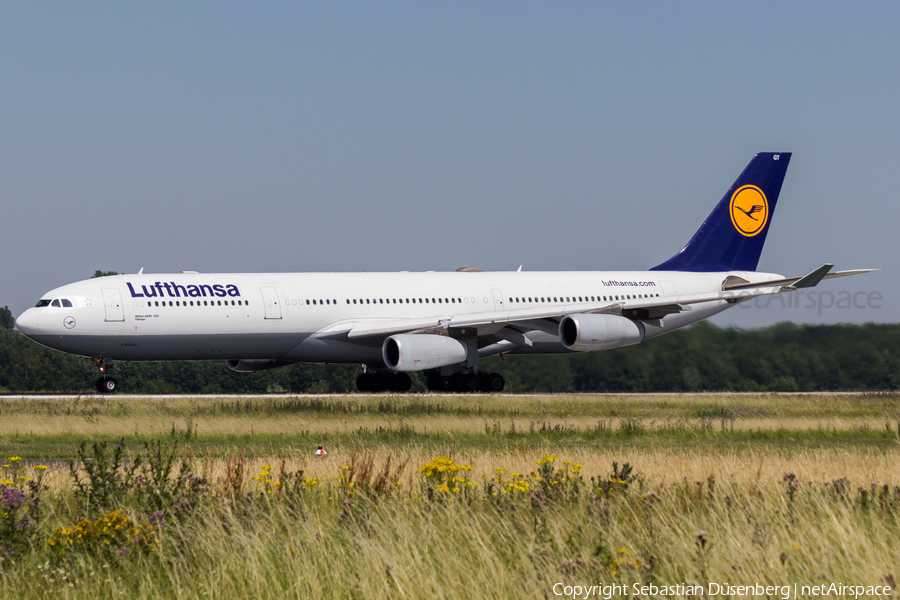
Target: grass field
point(745, 489)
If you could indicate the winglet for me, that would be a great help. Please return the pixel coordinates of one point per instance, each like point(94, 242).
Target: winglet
point(811, 280)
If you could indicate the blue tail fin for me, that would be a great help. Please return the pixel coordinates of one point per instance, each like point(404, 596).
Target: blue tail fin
point(732, 237)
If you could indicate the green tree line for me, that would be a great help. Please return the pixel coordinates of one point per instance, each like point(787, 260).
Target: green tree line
point(784, 357)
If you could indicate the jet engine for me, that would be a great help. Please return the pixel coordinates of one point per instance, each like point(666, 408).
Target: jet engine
point(253, 365)
point(590, 332)
point(410, 352)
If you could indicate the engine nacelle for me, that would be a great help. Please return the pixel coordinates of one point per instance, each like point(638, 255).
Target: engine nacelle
point(254, 365)
point(410, 352)
point(589, 332)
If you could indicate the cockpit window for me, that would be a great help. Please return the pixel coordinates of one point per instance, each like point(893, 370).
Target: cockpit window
point(55, 304)
point(66, 303)
point(42, 303)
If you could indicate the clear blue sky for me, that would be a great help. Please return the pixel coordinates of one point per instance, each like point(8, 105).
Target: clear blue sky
point(426, 136)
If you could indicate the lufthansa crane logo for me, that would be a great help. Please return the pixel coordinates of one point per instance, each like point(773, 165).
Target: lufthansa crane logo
point(749, 210)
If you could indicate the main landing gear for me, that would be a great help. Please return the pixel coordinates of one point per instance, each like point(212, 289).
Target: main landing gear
point(105, 384)
point(381, 382)
point(466, 382)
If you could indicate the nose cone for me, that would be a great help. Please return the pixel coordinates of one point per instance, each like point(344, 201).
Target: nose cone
point(28, 322)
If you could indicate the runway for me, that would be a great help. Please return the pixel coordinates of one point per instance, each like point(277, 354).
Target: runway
point(38, 396)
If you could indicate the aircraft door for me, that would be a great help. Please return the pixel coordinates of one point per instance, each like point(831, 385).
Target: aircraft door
point(270, 301)
point(668, 288)
point(498, 299)
point(112, 302)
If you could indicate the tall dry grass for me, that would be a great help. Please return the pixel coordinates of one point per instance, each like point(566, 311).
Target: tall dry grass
point(679, 519)
point(699, 507)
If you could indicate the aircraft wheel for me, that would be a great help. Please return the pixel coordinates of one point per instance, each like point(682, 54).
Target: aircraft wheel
point(492, 383)
point(400, 382)
point(379, 383)
point(364, 382)
point(456, 382)
point(447, 383)
point(433, 382)
point(468, 382)
point(107, 385)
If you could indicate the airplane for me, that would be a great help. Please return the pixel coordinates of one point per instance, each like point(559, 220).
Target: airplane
point(438, 323)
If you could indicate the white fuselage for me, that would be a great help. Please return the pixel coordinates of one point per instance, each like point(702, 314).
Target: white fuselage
point(306, 316)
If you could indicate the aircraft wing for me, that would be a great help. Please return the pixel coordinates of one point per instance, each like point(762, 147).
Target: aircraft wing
point(547, 319)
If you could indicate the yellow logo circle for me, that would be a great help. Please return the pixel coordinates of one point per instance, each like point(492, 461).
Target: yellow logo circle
point(749, 210)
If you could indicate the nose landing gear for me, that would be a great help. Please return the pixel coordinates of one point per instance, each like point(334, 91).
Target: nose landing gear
point(105, 384)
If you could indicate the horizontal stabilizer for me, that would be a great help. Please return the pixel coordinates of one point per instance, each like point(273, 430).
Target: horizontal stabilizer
point(806, 281)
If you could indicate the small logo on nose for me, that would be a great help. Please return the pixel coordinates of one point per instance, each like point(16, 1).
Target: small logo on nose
point(69, 322)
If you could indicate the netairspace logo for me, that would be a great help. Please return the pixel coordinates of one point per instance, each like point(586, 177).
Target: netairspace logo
point(818, 300)
point(785, 592)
